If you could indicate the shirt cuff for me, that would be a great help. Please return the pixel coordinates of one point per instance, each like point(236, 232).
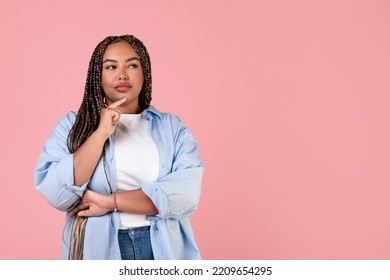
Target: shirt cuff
point(158, 197)
point(66, 177)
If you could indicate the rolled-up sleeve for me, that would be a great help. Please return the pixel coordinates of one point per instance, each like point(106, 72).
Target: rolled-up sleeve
point(177, 194)
point(53, 175)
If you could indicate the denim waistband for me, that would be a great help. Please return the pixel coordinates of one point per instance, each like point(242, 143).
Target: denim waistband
point(136, 231)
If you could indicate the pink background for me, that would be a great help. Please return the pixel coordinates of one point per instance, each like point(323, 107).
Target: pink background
point(289, 101)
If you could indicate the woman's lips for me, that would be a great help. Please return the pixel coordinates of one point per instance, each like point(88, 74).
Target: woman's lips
point(123, 87)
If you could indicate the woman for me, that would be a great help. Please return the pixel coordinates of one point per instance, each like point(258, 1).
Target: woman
point(128, 175)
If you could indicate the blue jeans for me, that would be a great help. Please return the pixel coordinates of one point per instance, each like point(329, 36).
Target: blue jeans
point(134, 243)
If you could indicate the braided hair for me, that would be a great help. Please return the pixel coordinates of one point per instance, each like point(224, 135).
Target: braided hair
point(88, 116)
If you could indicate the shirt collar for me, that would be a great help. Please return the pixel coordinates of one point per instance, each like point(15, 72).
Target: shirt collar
point(150, 112)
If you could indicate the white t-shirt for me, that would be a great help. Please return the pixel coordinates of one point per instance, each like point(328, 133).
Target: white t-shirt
point(137, 161)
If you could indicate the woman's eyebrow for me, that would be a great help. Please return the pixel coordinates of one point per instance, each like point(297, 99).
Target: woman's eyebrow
point(132, 58)
point(127, 60)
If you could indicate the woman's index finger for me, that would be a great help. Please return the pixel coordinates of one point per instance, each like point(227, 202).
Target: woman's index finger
point(117, 103)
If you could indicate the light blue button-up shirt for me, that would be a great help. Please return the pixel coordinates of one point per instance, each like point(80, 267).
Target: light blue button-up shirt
point(175, 194)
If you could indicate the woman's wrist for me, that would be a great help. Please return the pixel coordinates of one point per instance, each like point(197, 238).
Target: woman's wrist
point(101, 134)
point(112, 203)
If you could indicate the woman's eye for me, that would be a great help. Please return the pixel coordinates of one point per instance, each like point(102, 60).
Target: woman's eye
point(110, 67)
point(133, 66)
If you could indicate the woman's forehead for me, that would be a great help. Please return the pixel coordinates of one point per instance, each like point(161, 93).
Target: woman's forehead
point(120, 49)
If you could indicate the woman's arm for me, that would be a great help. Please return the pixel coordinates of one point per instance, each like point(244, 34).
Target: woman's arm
point(96, 204)
point(87, 156)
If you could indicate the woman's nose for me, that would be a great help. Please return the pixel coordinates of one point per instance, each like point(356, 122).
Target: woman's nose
point(123, 75)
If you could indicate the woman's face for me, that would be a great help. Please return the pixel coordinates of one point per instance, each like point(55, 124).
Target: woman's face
point(122, 76)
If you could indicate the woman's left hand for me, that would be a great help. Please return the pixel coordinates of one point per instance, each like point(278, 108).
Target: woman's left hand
point(91, 204)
